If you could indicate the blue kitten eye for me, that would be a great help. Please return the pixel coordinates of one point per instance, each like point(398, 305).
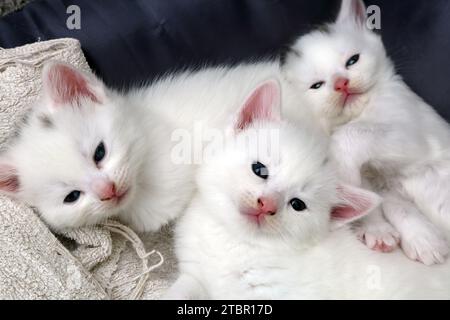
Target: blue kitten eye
point(298, 205)
point(317, 85)
point(72, 197)
point(99, 153)
point(260, 170)
point(354, 59)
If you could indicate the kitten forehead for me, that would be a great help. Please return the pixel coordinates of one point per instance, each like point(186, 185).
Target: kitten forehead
point(57, 147)
point(324, 48)
point(324, 57)
point(300, 155)
point(53, 155)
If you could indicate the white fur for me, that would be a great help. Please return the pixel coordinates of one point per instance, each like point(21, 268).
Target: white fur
point(386, 127)
point(291, 255)
point(136, 128)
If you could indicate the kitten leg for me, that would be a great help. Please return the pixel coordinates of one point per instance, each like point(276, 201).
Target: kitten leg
point(185, 287)
point(420, 239)
point(351, 148)
point(377, 233)
point(359, 143)
point(430, 189)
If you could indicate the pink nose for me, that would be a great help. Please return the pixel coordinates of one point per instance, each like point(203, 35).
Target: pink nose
point(341, 84)
point(105, 189)
point(267, 205)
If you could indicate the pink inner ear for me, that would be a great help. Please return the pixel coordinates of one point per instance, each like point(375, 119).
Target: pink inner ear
point(355, 205)
point(352, 11)
point(68, 85)
point(263, 104)
point(359, 11)
point(9, 181)
point(344, 213)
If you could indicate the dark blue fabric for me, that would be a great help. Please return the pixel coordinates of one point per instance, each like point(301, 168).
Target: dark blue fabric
point(131, 41)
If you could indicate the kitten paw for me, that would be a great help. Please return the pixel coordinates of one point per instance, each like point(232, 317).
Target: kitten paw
point(429, 247)
point(380, 236)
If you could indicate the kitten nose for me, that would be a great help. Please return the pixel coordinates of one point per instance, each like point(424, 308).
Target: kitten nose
point(267, 205)
point(105, 189)
point(341, 84)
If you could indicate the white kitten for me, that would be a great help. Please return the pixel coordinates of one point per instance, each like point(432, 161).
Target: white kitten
point(87, 153)
point(258, 227)
point(376, 120)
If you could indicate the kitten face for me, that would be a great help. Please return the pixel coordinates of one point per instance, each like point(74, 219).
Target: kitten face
point(286, 189)
point(76, 159)
point(273, 194)
point(338, 69)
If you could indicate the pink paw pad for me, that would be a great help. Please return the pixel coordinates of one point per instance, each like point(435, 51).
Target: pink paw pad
point(380, 246)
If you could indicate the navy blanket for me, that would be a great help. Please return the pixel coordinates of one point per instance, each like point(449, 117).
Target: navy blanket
point(130, 41)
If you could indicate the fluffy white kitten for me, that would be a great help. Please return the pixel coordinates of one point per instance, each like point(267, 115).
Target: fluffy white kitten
point(87, 152)
point(259, 225)
point(376, 121)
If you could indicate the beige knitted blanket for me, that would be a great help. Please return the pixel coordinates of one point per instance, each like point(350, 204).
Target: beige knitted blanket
point(104, 262)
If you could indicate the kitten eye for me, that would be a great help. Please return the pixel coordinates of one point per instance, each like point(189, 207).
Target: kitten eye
point(260, 170)
point(99, 153)
point(72, 197)
point(354, 59)
point(317, 85)
point(298, 205)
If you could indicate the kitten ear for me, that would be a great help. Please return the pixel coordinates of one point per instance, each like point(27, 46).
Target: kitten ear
point(9, 179)
point(64, 84)
point(264, 103)
point(353, 204)
point(353, 11)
